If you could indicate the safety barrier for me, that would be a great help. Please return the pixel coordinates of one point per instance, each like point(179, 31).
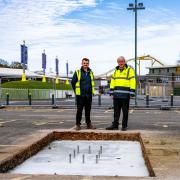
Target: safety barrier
point(23, 94)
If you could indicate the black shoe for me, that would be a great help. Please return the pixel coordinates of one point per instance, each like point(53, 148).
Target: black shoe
point(124, 129)
point(112, 128)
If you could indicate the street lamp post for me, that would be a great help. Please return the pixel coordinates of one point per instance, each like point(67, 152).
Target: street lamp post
point(136, 6)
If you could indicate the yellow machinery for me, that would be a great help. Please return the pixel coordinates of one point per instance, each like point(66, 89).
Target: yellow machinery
point(146, 58)
point(139, 59)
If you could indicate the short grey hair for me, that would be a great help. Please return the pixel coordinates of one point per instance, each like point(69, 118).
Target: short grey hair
point(121, 57)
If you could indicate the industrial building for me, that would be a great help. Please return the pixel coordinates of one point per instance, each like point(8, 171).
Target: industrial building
point(164, 80)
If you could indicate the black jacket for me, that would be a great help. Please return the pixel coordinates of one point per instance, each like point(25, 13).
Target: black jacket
point(85, 82)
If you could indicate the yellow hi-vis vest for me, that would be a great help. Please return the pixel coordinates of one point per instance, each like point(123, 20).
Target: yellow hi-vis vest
point(77, 89)
point(123, 83)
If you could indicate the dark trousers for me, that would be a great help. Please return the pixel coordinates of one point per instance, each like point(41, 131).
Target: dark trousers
point(118, 105)
point(83, 102)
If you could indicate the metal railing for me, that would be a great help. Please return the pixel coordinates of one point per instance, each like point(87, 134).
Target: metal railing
point(22, 94)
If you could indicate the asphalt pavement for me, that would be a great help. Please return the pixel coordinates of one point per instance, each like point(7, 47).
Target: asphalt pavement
point(15, 123)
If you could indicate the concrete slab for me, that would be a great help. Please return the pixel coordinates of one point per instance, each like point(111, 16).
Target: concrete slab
point(118, 158)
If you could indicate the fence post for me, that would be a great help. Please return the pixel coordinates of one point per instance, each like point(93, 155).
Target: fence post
point(7, 98)
point(99, 99)
point(147, 100)
point(172, 98)
point(52, 98)
point(29, 97)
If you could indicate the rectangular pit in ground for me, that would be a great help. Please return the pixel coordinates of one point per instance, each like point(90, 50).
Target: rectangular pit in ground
point(99, 138)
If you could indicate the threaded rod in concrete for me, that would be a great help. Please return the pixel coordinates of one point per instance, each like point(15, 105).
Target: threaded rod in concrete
point(89, 150)
point(83, 158)
point(74, 152)
point(69, 158)
point(96, 159)
point(101, 149)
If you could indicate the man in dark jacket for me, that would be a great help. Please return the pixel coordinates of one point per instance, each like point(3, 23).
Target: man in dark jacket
point(83, 85)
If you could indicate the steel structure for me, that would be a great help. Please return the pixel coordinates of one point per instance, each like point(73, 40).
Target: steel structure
point(153, 60)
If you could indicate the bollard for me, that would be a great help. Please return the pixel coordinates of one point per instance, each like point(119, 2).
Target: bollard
point(29, 97)
point(147, 100)
point(53, 99)
point(7, 98)
point(99, 99)
point(172, 98)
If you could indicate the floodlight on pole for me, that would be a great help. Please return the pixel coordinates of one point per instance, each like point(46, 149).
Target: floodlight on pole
point(136, 6)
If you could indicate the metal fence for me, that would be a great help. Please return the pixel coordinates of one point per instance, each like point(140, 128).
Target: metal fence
point(155, 90)
point(155, 97)
point(38, 94)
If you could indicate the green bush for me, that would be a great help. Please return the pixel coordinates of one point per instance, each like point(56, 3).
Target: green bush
point(177, 91)
point(35, 85)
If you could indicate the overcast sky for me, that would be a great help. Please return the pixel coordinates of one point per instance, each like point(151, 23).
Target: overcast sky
point(101, 30)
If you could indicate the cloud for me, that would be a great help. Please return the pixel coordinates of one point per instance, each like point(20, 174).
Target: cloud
point(35, 21)
point(73, 29)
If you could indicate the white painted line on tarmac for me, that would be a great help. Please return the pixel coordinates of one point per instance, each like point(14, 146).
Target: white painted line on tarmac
point(177, 112)
point(20, 178)
point(109, 110)
point(39, 123)
point(13, 120)
point(45, 115)
point(73, 128)
point(48, 110)
point(56, 122)
point(131, 111)
point(102, 116)
point(61, 110)
point(43, 123)
point(156, 112)
point(69, 120)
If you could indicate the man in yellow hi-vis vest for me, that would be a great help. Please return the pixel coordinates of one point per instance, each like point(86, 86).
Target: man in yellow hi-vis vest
point(122, 86)
point(83, 85)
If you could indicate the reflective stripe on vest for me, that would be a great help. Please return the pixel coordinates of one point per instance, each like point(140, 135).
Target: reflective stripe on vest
point(78, 90)
point(123, 91)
